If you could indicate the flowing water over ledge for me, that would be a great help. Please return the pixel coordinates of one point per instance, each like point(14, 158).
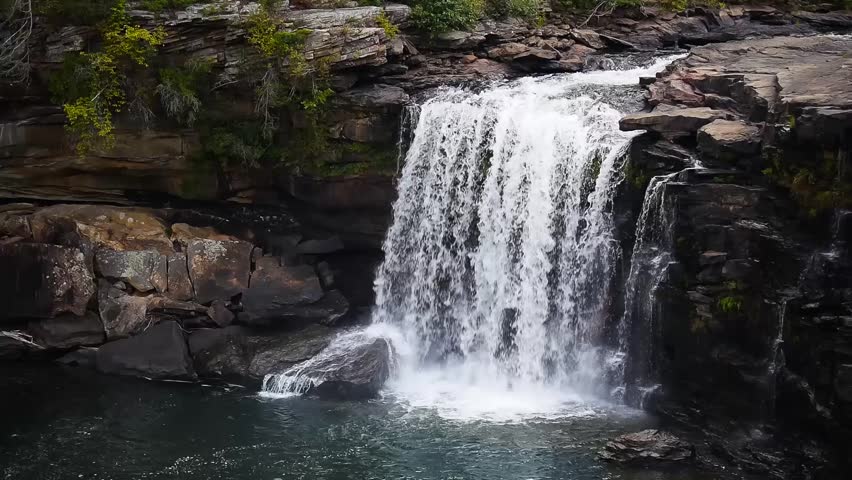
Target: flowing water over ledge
point(62, 423)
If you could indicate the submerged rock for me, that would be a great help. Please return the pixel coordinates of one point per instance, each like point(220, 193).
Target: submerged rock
point(648, 447)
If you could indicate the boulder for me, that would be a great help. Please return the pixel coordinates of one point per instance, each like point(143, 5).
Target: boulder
point(728, 138)
point(274, 288)
point(360, 374)
point(143, 270)
point(218, 269)
point(648, 447)
point(179, 285)
point(669, 121)
point(121, 314)
point(68, 331)
point(43, 281)
point(157, 353)
point(242, 353)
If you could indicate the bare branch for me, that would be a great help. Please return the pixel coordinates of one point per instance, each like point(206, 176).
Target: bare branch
point(16, 29)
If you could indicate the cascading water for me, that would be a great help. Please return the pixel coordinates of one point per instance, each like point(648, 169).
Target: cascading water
point(499, 261)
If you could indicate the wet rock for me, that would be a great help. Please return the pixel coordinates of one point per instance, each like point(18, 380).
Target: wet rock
point(243, 354)
point(82, 357)
point(68, 331)
point(274, 288)
point(327, 310)
point(671, 120)
point(157, 353)
point(179, 285)
point(15, 344)
point(712, 257)
point(728, 138)
point(218, 269)
point(122, 314)
point(143, 270)
point(648, 447)
point(360, 375)
point(42, 281)
point(220, 314)
point(320, 246)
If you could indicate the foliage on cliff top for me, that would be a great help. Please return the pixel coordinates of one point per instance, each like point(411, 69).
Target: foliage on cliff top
point(91, 85)
point(436, 16)
point(179, 90)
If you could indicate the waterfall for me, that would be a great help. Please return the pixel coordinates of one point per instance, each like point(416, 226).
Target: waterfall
point(638, 329)
point(500, 257)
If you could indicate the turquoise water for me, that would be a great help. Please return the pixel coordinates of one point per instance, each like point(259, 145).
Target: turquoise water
point(63, 423)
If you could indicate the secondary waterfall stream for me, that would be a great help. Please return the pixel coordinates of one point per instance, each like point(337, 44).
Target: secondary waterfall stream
point(495, 288)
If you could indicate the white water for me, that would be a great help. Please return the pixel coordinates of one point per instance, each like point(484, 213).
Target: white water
point(498, 265)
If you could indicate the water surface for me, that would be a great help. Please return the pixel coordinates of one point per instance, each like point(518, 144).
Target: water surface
point(61, 423)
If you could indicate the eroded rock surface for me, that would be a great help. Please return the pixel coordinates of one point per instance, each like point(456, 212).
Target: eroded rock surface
point(648, 447)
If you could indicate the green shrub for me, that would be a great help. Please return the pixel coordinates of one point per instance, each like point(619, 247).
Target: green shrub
point(528, 9)
point(75, 12)
point(436, 16)
point(91, 86)
point(391, 30)
point(160, 5)
point(179, 90)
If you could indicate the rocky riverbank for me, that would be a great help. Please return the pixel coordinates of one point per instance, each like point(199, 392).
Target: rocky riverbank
point(159, 259)
point(752, 312)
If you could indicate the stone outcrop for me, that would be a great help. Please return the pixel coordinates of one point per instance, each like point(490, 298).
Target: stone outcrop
point(156, 267)
point(648, 447)
point(752, 308)
point(43, 281)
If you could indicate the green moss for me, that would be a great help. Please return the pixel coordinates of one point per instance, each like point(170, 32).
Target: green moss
point(636, 176)
point(730, 304)
point(815, 185)
point(364, 160)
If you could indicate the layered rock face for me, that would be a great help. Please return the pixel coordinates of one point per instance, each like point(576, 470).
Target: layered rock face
point(752, 316)
point(141, 281)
